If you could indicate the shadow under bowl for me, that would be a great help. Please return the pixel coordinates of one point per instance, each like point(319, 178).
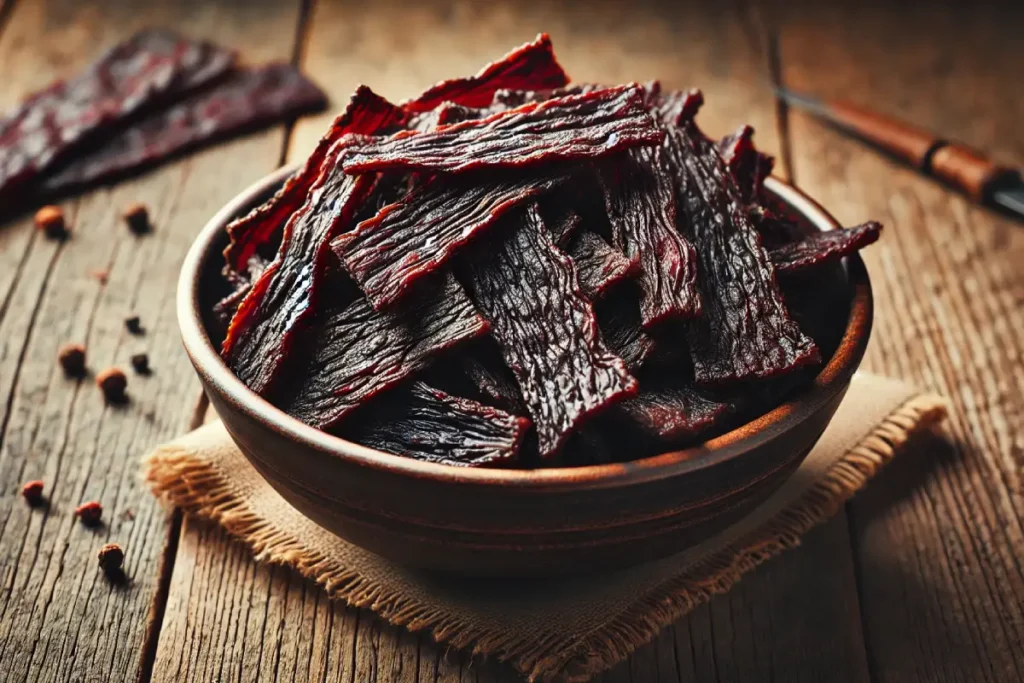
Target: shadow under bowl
point(524, 523)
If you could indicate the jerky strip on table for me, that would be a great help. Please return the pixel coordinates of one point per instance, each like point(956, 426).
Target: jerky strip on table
point(281, 300)
point(417, 235)
point(245, 99)
point(546, 330)
point(586, 126)
point(529, 67)
point(671, 413)
point(747, 166)
point(151, 67)
point(823, 247)
point(427, 424)
point(359, 353)
point(746, 331)
point(640, 201)
point(366, 114)
point(598, 266)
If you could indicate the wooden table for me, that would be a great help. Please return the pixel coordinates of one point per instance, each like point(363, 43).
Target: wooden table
point(919, 579)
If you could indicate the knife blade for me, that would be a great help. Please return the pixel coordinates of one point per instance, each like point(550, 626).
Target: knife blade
point(953, 163)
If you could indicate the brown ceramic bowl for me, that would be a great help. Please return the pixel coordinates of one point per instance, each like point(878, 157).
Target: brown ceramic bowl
point(515, 522)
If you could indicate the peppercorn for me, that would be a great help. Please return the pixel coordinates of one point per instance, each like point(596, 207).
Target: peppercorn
point(72, 359)
point(111, 558)
point(33, 492)
point(89, 513)
point(112, 382)
point(140, 362)
point(133, 324)
point(50, 221)
point(137, 218)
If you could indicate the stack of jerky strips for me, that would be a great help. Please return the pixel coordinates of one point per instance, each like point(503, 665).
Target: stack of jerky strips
point(154, 95)
point(471, 276)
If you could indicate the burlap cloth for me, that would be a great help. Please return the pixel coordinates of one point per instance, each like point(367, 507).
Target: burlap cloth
point(566, 629)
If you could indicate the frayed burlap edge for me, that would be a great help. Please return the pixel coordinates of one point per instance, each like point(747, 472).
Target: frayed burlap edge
point(201, 490)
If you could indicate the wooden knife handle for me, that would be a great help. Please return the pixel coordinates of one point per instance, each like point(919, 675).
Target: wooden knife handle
point(955, 164)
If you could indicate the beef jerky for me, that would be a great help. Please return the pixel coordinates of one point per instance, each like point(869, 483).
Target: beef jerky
point(577, 127)
point(546, 330)
point(641, 206)
point(529, 67)
point(282, 299)
point(245, 99)
point(447, 114)
point(774, 228)
point(492, 380)
point(407, 240)
point(621, 329)
point(598, 266)
point(747, 166)
point(367, 113)
point(823, 247)
point(430, 425)
point(151, 67)
point(562, 226)
point(226, 307)
point(507, 99)
point(358, 353)
point(673, 413)
point(746, 332)
point(675, 107)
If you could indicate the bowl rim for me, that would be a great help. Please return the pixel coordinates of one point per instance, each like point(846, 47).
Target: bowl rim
point(830, 380)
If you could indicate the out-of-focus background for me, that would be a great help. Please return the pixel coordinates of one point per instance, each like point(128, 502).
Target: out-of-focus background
point(919, 579)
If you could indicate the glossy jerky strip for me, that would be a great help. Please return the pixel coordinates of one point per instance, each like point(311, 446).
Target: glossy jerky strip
point(264, 326)
point(415, 236)
point(586, 126)
point(243, 100)
point(359, 353)
point(598, 266)
point(619, 321)
point(746, 331)
point(366, 114)
point(530, 67)
point(149, 68)
point(747, 166)
point(640, 201)
point(427, 424)
point(673, 413)
point(823, 247)
point(546, 330)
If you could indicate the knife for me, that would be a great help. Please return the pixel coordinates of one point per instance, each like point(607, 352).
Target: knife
point(953, 163)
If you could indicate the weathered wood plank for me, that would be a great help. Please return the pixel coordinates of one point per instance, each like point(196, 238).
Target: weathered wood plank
point(59, 619)
point(775, 625)
point(938, 541)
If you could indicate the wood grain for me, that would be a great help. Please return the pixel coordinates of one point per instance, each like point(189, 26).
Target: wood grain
point(59, 619)
point(939, 540)
point(798, 632)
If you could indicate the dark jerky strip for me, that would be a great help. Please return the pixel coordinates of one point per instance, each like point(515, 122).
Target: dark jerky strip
point(619, 320)
point(507, 98)
point(641, 206)
point(366, 114)
point(598, 266)
point(147, 69)
point(546, 330)
point(226, 307)
point(245, 99)
point(674, 107)
point(529, 67)
point(280, 301)
point(358, 353)
point(823, 247)
point(747, 166)
point(427, 424)
point(563, 226)
point(746, 331)
point(586, 126)
point(415, 236)
point(673, 412)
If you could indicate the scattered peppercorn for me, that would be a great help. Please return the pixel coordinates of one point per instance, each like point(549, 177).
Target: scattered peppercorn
point(101, 274)
point(140, 362)
point(33, 492)
point(137, 218)
point(112, 382)
point(89, 513)
point(72, 359)
point(111, 558)
point(134, 324)
point(50, 221)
